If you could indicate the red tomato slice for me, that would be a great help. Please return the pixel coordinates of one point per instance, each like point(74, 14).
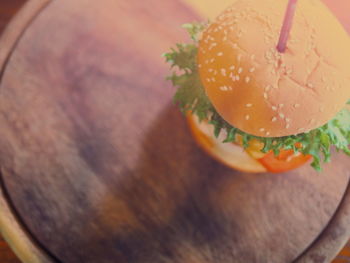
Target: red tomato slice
point(285, 161)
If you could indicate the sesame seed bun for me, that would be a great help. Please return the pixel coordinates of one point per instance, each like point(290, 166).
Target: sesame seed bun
point(229, 154)
point(270, 94)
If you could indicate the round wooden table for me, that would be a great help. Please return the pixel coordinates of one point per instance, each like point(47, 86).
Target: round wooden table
point(97, 165)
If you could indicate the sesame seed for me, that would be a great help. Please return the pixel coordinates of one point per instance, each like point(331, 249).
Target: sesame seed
point(213, 79)
point(249, 105)
point(223, 88)
point(212, 45)
point(237, 77)
point(281, 115)
point(287, 126)
point(232, 67)
point(234, 45)
point(296, 105)
point(262, 130)
point(220, 54)
point(212, 60)
point(309, 85)
point(265, 95)
point(247, 79)
point(274, 108)
point(251, 70)
point(210, 70)
point(267, 88)
point(267, 133)
point(312, 121)
point(287, 120)
point(223, 72)
point(240, 70)
point(224, 38)
point(199, 65)
point(247, 117)
point(252, 57)
point(239, 56)
point(274, 119)
point(208, 80)
point(281, 105)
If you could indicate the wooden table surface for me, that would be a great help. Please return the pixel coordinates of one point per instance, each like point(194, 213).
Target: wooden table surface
point(7, 8)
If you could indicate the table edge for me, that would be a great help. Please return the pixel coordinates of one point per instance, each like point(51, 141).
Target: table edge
point(11, 228)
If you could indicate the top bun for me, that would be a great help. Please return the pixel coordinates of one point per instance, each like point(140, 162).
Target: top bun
point(270, 94)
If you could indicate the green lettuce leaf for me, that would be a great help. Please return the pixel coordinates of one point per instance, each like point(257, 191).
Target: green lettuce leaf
point(190, 96)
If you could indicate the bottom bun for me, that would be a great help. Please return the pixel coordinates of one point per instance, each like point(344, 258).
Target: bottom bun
point(229, 154)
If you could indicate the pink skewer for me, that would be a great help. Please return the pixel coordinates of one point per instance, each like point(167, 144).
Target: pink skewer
point(287, 26)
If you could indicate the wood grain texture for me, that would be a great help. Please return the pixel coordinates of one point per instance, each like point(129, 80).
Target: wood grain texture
point(12, 34)
point(7, 10)
point(344, 255)
point(6, 255)
point(13, 231)
point(10, 226)
point(211, 8)
point(101, 167)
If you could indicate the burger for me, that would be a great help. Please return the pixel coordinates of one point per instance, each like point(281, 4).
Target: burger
point(256, 109)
